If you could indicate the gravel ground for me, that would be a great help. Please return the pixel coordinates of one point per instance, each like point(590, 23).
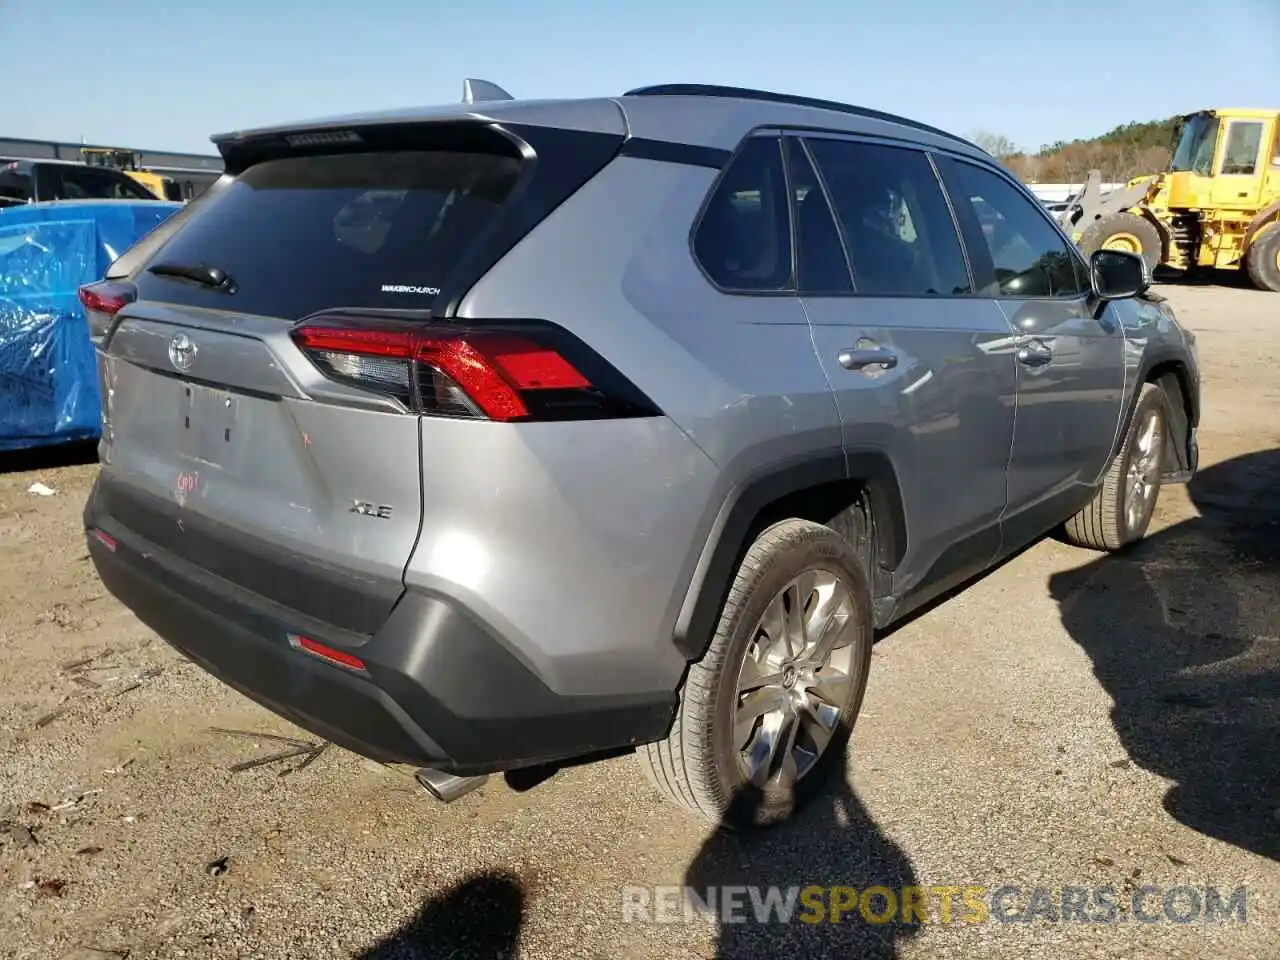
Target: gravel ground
point(1066, 721)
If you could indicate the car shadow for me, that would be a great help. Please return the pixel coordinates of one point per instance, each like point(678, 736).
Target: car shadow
point(1184, 633)
point(833, 842)
point(478, 918)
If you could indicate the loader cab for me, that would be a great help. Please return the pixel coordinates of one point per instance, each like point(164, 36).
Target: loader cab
point(1223, 158)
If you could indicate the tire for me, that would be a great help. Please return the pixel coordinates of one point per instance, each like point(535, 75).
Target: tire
point(1125, 231)
point(1108, 522)
point(699, 765)
point(1263, 260)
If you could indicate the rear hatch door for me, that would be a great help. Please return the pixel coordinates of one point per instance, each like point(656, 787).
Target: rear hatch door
point(223, 444)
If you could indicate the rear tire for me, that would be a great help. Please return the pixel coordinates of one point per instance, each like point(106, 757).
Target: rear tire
point(765, 680)
point(1121, 511)
point(1128, 232)
point(1263, 260)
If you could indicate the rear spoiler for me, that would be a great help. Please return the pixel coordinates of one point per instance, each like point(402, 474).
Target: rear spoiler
point(242, 148)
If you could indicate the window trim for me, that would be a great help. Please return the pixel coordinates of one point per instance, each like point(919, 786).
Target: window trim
point(793, 212)
point(805, 134)
point(1077, 258)
point(759, 133)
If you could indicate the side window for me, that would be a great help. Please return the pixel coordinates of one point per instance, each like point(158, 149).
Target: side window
point(820, 261)
point(744, 238)
point(898, 228)
point(16, 184)
point(1240, 154)
point(78, 185)
point(83, 183)
point(1029, 257)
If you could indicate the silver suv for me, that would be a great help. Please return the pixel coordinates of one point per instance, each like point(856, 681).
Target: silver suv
point(512, 434)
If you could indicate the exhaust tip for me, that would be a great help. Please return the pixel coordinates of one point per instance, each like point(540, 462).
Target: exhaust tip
point(446, 787)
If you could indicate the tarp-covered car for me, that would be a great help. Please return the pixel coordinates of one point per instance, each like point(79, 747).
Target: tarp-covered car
point(48, 378)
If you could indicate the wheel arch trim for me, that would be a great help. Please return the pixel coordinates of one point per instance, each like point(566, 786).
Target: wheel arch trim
point(1267, 216)
point(1156, 367)
point(748, 502)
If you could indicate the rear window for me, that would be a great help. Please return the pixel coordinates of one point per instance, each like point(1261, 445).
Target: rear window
point(371, 230)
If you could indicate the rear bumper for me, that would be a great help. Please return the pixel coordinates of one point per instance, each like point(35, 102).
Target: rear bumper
point(439, 689)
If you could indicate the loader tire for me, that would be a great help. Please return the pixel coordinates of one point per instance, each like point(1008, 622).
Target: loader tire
point(1125, 231)
point(1263, 260)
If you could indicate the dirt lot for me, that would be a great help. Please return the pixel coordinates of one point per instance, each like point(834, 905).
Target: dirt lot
point(1067, 721)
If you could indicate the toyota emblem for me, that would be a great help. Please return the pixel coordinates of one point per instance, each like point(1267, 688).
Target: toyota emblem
point(182, 352)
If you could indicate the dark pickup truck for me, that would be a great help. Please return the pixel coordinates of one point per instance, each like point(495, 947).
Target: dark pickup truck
point(35, 181)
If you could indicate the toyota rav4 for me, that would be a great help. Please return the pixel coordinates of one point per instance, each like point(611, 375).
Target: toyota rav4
point(512, 434)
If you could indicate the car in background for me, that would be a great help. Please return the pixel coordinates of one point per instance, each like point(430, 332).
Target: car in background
point(40, 181)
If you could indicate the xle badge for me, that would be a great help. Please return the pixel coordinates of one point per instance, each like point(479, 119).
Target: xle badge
point(366, 509)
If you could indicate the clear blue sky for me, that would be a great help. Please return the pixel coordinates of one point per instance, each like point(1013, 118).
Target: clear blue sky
point(110, 72)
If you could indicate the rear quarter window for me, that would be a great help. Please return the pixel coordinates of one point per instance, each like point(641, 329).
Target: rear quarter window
point(365, 230)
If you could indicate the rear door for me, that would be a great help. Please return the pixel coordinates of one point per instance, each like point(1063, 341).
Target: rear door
point(1069, 348)
point(920, 365)
point(223, 444)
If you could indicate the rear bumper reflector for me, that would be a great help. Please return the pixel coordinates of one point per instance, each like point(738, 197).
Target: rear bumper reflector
point(316, 649)
point(105, 539)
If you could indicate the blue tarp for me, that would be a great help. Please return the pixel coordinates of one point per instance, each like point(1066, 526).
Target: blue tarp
point(48, 375)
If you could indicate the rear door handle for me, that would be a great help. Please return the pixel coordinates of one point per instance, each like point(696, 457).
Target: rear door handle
point(860, 359)
point(1034, 354)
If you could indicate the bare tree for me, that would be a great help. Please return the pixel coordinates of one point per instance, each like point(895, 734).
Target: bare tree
point(995, 144)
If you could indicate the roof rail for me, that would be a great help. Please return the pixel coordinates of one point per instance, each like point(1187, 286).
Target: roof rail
point(746, 93)
point(474, 91)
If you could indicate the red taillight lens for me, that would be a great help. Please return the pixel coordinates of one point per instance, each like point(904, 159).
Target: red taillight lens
point(498, 374)
point(102, 301)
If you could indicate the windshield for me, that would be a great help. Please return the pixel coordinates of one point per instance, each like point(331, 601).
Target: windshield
point(1195, 146)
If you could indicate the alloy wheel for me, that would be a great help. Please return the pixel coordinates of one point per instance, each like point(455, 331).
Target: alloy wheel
point(796, 679)
point(1143, 478)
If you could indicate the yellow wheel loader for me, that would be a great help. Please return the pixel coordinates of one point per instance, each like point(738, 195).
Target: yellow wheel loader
point(127, 162)
point(1216, 207)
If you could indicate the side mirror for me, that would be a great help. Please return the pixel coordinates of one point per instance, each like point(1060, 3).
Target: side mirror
point(1118, 275)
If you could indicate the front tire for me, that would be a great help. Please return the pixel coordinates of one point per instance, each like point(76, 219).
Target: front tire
point(1263, 260)
point(1128, 232)
point(766, 714)
point(1121, 510)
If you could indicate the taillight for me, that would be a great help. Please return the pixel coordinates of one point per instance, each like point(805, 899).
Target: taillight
point(526, 371)
point(102, 301)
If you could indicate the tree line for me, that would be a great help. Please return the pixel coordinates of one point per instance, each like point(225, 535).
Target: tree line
point(1128, 151)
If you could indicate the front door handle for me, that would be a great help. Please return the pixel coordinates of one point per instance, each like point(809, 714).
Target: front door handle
point(860, 359)
point(1034, 355)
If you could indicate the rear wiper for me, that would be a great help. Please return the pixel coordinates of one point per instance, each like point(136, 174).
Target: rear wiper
point(206, 276)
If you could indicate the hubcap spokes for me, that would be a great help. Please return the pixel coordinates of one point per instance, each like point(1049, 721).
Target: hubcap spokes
point(1144, 469)
point(795, 679)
